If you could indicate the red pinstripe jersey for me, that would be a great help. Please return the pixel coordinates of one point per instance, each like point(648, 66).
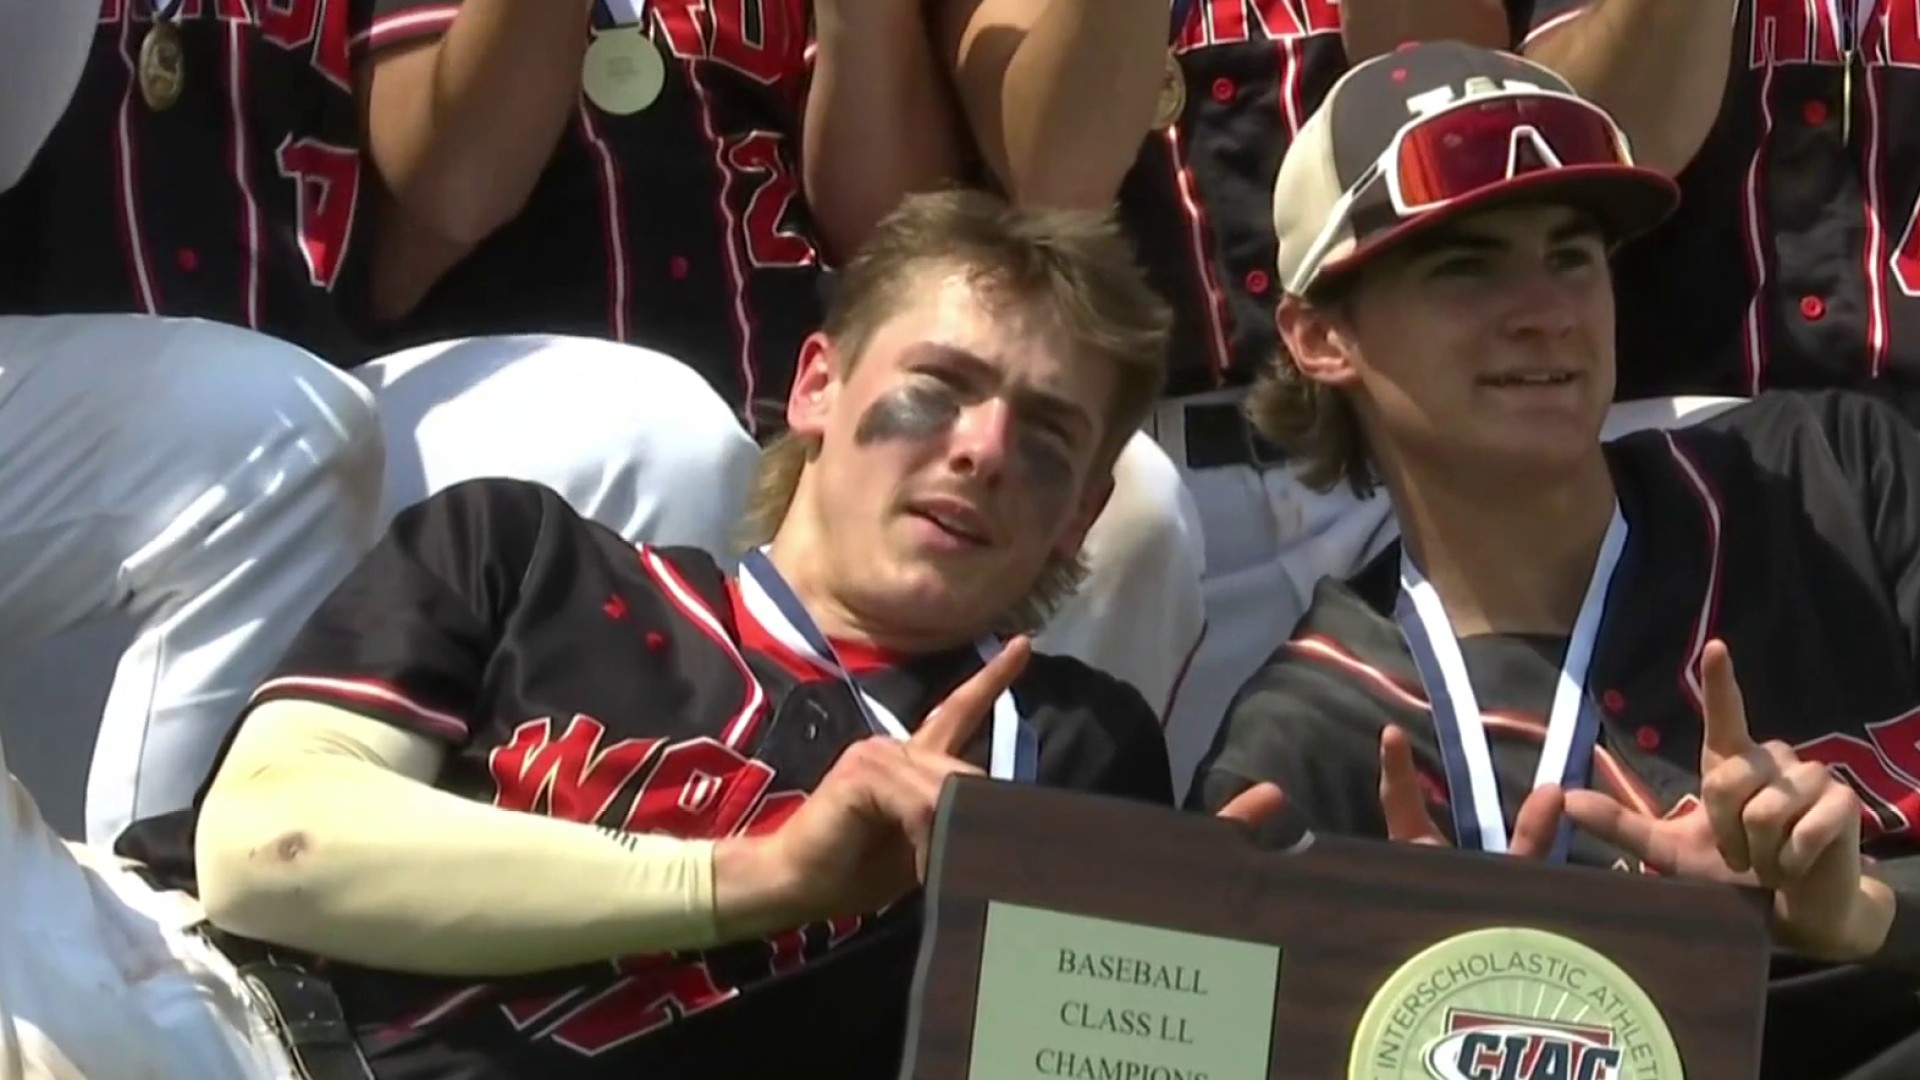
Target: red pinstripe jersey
point(681, 228)
point(1790, 528)
point(1794, 259)
point(1199, 198)
point(237, 203)
point(571, 675)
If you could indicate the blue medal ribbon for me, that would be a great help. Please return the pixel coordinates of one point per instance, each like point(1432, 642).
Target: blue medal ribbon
point(1573, 721)
point(629, 13)
point(1182, 10)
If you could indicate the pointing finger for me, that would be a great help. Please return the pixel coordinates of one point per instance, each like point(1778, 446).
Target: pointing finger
point(953, 723)
point(1401, 800)
point(1725, 709)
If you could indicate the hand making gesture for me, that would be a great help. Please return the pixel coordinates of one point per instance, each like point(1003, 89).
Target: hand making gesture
point(1770, 819)
point(862, 840)
point(1405, 805)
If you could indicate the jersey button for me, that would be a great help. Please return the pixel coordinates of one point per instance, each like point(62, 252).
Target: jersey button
point(1812, 308)
point(1257, 282)
point(1224, 89)
point(1814, 112)
point(678, 267)
point(1648, 738)
point(1613, 701)
point(188, 259)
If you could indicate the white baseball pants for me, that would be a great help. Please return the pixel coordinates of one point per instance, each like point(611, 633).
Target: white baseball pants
point(102, 978)
point(631, 438)
point(206, 481)
point(1138, 615)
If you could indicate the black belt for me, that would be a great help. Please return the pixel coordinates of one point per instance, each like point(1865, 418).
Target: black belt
point(303, 1009)
point(1220, 435)
point(306, 1015)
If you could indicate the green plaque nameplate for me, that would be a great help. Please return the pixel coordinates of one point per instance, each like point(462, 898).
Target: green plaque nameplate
point(1080, 997)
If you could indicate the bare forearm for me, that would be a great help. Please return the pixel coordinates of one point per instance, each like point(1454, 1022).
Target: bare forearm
point(1369, 28)
point(1659, 66)
point(461, 130)
point(880, 119)
point(1060, 110)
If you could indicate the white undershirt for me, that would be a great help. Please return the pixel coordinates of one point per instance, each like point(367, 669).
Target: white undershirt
point(43, 46)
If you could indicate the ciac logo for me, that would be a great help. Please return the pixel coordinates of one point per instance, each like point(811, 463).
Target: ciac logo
point(1485, 1046)
point(1512, 1003)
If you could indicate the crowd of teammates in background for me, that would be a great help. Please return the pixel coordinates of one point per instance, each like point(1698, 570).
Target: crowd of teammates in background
point(438, 242)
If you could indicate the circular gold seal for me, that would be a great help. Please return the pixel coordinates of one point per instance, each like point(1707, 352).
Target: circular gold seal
point(162, 66)
point(623, 72)
point(1512, 1003)
point(1173, 94)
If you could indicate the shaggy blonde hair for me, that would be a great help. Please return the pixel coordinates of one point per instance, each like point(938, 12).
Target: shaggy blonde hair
point(1075, 268)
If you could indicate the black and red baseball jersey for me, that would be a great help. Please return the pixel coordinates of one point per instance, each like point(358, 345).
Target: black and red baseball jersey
point(573, 675)
point(682, 227)
point(1788, 527)
point(1794, 259)
point(235, 201)
point(1199, 199)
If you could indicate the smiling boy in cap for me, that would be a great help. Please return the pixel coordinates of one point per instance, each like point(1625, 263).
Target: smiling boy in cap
point(1551, 643)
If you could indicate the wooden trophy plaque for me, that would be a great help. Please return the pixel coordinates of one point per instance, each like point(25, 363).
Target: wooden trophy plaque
point(1090, 938)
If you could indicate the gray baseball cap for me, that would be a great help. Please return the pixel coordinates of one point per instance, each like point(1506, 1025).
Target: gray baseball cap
point(1431, 131)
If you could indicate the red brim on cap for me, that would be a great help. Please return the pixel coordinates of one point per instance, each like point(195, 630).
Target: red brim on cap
point(1628, 201)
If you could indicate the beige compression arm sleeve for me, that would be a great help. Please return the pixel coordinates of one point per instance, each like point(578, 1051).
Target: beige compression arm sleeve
point(322, 833)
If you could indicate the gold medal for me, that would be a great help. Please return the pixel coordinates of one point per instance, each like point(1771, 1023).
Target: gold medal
point(162, 66)
point(1173, 94)
point(624, 71)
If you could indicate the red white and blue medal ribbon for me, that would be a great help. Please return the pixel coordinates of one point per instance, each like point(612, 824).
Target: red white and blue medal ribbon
point(771, 600)
point(1573, 722)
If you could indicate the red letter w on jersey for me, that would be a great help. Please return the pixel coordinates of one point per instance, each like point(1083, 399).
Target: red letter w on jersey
point(570, 777)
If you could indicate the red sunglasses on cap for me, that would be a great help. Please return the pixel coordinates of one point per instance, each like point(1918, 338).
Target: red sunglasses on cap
point(1470, 145)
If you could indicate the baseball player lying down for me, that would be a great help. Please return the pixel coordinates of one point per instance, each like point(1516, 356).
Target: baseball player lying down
point(524, 801)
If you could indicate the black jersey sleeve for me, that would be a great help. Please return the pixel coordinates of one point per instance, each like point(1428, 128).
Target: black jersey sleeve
point(407, 637)
point(1879, 454)
point(1297, 724)
point(1110, 742)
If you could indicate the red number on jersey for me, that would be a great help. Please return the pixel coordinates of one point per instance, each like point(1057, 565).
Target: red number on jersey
point(1884, 768)
point(327, 179)
point(768, 242)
